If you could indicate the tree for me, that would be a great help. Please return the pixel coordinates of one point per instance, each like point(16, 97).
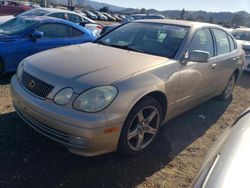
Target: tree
point(211, 19)
point(104, 9)
point(183, 12)
point(200, 19)
point(190, 18)
point(237, 20)
point(143, 11)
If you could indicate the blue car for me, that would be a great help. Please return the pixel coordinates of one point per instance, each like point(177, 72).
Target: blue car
point(21, 37)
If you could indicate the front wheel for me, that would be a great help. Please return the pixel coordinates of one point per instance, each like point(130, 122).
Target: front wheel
point(141, 126)
point(227, 93)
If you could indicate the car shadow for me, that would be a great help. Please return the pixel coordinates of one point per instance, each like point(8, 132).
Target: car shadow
point(5, 79)
point(28, 159)
point(244, 80)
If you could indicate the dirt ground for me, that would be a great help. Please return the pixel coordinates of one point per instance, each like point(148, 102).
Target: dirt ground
point(28, 159)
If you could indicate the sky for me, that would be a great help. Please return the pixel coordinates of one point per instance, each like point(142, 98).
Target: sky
point(207, 5)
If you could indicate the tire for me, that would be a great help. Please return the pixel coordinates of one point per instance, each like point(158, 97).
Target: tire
point(140, 127)
point(227, 93)
point(1, 68)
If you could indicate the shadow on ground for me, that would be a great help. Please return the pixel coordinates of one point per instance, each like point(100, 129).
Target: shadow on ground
point(27, 159)
point(244, 80)
point(5, 79)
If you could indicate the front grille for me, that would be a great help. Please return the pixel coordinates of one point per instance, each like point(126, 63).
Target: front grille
point(36, 86)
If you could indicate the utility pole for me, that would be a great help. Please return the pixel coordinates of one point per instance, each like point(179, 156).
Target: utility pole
point(70, 3)
point(45, 3)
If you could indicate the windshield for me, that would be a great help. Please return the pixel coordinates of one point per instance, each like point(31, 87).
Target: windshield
point(150, 38)
point(34, 12)
point(241, 35)
point(15, 26)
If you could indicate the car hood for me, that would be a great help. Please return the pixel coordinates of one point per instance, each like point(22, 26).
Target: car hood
point(89, 65)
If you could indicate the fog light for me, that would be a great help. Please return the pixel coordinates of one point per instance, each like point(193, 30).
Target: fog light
point(76, 140)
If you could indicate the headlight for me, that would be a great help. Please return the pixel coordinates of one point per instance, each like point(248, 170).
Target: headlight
point(63, 96)
point(95, 99)
point(20, 70)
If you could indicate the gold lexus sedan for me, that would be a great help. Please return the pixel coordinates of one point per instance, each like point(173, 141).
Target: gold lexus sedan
point(115, 93)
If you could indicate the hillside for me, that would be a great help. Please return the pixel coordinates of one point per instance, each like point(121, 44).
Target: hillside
point(229, 18)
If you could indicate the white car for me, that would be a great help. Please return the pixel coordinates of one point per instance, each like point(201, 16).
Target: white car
point(227, 164)
point(5, 18)
point(78, 18)
point(242, 36)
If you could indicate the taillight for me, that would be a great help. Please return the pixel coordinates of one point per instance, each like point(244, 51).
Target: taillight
point(100, 27)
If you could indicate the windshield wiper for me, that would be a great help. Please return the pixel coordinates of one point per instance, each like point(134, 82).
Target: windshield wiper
point(125, 47)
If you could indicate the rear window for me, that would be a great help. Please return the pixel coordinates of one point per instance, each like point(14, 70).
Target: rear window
point(241, 35)
point(222, 42)
point(34, 12)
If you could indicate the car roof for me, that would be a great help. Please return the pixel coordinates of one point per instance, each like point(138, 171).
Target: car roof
point(39, 18)
point(242, 29)
point(179, 22)
point(52, 10)
point(49, 19)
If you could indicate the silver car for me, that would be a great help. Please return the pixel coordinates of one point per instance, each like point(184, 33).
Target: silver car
point(75, 17)
point(242, 36)
point(227, 164)
point(115, 93)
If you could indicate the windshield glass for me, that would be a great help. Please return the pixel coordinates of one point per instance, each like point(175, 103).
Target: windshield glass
point(150, 38)
point(241, 35)
point(15, 26)
point(34, 12)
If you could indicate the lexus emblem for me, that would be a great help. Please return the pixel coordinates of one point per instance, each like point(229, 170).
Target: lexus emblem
point(32, 84)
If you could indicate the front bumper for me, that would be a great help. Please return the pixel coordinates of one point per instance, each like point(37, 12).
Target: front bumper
point(62, 124)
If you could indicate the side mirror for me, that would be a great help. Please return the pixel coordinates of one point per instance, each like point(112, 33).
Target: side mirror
point(199, 56)
point(36, 35)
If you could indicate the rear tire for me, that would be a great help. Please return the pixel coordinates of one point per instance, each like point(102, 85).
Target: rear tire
point(227, 93)
point(1, 68)
point(140, 127)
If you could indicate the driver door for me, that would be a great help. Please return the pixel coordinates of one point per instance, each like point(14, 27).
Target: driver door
point(198, 80)
point(57, 35)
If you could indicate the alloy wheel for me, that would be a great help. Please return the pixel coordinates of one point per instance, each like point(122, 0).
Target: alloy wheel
point(143, 128)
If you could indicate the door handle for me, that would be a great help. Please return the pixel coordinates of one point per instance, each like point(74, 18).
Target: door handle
point(214, 65)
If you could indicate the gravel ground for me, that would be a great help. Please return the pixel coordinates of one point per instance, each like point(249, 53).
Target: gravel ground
point(28, 159)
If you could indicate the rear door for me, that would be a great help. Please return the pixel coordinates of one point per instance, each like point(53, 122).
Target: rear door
point(226, 57)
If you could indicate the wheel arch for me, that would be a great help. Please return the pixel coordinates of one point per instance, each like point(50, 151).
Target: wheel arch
point(237, 74)
point(159, 96)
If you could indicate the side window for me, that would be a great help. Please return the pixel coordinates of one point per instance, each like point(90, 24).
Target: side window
point(232, 43)
point(74, 18)
point(222, 42)
point(76, 33)
point(202, 41)
point(52, 30)
point(59, 15)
